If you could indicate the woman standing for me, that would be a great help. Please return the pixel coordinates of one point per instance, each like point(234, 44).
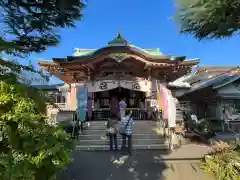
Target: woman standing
point(112, 131)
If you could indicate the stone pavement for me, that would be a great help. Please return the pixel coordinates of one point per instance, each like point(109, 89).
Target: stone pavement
point(189, 151)
point(182, 164)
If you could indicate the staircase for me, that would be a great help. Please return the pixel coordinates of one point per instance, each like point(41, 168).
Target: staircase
point(145, 136)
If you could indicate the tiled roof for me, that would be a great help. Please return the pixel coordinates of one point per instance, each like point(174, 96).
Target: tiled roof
point(48, 86)
point(223, 78)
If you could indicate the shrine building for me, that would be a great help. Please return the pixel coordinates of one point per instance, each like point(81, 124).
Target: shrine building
point(99, 78)
point(118, 70)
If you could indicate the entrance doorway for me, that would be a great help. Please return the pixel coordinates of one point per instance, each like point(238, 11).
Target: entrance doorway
point(132, 98)
point(107, 102)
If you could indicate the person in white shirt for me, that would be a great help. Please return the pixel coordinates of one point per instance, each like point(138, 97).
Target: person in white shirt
point(194, 118)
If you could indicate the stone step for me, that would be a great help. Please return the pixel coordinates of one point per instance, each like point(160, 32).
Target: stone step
point(135, 147)
point(134, 136)
point(135, 126)
point(135, 121)
point(135, 129)
point(93, 137)
point(134, 141)
point(103, 132)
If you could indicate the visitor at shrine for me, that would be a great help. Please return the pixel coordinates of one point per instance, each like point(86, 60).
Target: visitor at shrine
point(112, 126)
point(122, 107)
point(114, 105)
point(149, 110)
point(127, 123)
point(142, 109)
point(76, 130)
point(194, 117)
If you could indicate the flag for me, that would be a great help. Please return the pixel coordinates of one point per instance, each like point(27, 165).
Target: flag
point(159, 95)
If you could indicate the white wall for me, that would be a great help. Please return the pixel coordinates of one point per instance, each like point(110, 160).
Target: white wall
point(56, 116)
point(64, 115)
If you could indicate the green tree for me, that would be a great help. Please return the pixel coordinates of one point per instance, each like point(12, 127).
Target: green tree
point(208, 19)
point(33, 25)
point(30, 148)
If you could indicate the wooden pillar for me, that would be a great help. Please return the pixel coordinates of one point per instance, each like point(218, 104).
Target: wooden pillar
point(149, 94)
point(90, 96)
point(149, 78)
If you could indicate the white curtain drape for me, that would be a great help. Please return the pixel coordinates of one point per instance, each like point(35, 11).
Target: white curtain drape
point(143, 85)
point(98, 86)
point(104, 85)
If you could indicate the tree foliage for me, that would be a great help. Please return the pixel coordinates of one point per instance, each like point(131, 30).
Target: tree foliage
point(208, 19)
point(29, 147)
point(32, 25)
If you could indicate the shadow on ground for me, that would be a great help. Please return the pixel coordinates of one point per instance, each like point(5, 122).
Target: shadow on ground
point(115, 166)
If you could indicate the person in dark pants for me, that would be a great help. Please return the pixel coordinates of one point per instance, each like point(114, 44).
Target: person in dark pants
point(127, 135)
point(112, 131)
point(76, 130)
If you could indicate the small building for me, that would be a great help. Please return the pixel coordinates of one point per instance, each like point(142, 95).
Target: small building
point(215, 94)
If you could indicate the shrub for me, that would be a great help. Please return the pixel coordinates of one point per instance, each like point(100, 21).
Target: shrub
point(223, 163)
point(30, 149)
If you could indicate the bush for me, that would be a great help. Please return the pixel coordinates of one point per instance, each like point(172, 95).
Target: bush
point(224, 163)
point(30, 149)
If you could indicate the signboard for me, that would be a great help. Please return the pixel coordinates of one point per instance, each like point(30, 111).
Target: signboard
point(82, 97)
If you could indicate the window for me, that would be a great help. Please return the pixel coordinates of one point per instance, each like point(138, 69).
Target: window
point(63, 99)
point(58, 98)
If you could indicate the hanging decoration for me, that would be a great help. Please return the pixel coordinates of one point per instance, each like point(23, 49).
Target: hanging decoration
point(103, 86)
point(136, 86)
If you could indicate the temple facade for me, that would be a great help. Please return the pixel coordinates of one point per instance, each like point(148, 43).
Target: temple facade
point(117, 71)
point(95, 80)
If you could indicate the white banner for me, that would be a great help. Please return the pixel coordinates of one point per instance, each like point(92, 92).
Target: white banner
point(143, 85)
point(105, 85)
point(97, 86)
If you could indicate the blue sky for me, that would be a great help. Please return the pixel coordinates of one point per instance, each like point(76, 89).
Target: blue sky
point(147, 25)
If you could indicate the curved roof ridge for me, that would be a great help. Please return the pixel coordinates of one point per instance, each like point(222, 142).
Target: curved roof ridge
point(138, 48)
point(194, 59)
point(85, 49)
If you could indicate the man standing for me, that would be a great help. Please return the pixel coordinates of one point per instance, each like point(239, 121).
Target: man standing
point(127, 122)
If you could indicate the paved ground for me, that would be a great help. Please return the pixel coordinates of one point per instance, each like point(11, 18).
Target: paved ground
point(142, 165)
